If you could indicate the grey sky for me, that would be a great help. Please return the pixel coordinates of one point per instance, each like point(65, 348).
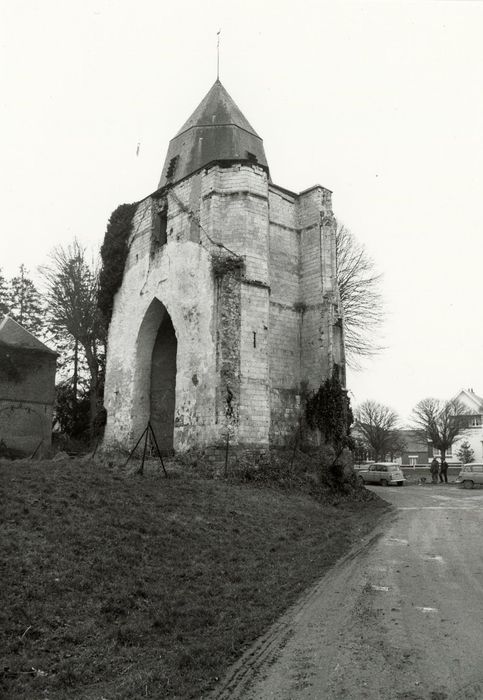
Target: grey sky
point(380, 102)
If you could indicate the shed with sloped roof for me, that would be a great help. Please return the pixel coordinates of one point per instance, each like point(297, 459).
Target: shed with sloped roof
point(27, 390)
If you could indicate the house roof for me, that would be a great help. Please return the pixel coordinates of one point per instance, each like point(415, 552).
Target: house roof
point(15, 335)
point(470, 400)
point(414, 439)
point(216, 131)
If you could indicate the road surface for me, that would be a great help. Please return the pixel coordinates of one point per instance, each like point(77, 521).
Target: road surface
point(399, 618)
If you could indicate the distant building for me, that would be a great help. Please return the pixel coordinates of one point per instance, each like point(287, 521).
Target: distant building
point(415, 448)
point(473, 431)
point(27, 389)
point(474, 424)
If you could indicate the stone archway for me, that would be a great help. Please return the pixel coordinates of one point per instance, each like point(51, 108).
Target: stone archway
point(154, 396)
point(163, 384)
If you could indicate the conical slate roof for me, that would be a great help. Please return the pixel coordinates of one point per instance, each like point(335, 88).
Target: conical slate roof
point(216, 131)
point(217, 108)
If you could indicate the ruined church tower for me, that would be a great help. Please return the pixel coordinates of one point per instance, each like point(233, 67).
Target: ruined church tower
point(228, 310)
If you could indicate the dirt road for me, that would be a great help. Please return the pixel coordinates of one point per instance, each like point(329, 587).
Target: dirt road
point(400, 618)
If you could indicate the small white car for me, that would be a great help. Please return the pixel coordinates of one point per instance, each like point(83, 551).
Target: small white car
point(470, 474)
point(384, 473)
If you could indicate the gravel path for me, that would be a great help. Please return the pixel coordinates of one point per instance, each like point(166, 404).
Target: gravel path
point(400, 617)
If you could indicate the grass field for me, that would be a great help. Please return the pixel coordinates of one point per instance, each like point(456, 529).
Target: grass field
point(118, 586)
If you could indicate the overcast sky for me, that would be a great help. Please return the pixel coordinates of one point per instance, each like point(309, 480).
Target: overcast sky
point(380, 102)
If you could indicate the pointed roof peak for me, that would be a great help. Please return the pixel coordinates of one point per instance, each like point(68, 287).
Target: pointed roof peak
point(471, 398)
point(217, 108)
point(216, 131)
point(12, 333)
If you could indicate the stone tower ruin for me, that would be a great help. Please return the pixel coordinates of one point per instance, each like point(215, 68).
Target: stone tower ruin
point(228, 309)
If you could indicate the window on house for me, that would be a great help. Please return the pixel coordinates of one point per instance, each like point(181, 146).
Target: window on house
point(449, 452)
point(475, 421)
point(412, 460)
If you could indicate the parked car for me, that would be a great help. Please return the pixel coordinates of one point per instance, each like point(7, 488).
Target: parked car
point(384, 473)
point(362, 466)
point(470, 475)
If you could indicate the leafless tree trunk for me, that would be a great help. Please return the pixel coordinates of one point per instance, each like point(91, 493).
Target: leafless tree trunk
point(361, 298)
point(377, 426)
point(441, 422)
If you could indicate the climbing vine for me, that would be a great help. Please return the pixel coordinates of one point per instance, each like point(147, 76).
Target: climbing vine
point(328, 410)
point(223, 264)
point(114, 252)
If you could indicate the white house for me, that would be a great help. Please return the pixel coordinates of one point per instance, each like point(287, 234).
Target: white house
point(474, 432)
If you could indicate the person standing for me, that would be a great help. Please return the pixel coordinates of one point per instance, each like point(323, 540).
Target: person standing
point(434, 469)
point(443, 472)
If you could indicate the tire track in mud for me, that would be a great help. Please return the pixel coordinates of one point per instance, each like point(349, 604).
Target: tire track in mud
point(389, 621)
point(266, 650)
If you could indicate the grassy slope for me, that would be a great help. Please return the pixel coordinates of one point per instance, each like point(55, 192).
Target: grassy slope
point(130, 587)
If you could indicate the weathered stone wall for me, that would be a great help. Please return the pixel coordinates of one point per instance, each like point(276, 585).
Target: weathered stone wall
point(303, 305)
point(285, 314)
point(245, 271)
point(26, 405)
point(235, 209)
point(228, 325)
point(255, 363)
point(221, 212)
point(315, 280)
point(175, 278)
point(235, 213)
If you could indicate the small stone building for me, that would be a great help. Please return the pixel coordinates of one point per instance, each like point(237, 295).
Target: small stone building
point(27, 389)
point(228, 310)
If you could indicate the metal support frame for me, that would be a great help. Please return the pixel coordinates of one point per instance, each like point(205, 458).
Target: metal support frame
point(147, 432)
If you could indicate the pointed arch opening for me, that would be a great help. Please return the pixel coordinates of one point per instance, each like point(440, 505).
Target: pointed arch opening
point(155, 380)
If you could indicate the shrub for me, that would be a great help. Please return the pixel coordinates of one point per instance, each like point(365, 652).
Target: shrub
point(328, 410)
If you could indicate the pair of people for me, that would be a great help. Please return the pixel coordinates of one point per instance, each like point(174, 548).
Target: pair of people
point(436, 470)
point(443, 472)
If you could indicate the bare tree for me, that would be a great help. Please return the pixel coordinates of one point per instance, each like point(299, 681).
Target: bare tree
point(71, 295)
point(360, 295)
point(440, 421)
point(377, 425)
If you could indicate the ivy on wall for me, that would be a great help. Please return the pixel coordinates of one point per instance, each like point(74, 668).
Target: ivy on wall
point(223, 264)
point(329, 411)
point(114, 252)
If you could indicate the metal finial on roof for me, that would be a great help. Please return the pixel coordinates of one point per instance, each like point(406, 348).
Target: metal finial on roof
point(218, 54)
